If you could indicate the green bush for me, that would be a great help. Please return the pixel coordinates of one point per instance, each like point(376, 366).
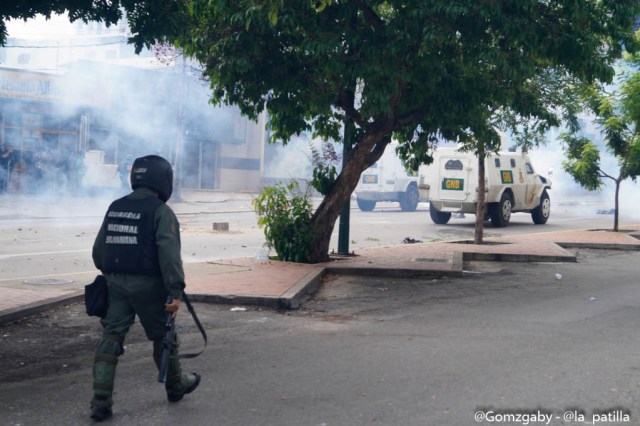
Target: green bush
point(324, 176)
point(324, 167)
point(285, 213)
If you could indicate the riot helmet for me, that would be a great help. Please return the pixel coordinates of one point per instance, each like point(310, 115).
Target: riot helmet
point(153, 172)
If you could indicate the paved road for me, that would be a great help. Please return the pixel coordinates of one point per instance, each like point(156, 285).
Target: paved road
point(510, 338)
point(52, 237)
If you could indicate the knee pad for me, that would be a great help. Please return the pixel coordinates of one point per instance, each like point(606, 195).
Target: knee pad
point(110, 344)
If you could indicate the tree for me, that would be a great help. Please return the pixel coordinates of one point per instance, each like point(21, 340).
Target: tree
point(554, 99)
point(618, 116)
point(414, 70)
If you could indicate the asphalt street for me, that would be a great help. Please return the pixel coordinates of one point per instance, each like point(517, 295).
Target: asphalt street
point(506, 338)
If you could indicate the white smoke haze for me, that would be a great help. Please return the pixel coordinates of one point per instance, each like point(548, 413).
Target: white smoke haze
point(567, 192)
point(117, 104)
point(290, 161)
point(294, 161)
point(159, 109)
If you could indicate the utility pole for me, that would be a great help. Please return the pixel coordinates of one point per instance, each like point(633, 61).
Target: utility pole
point(343, 228)
point(177, 192)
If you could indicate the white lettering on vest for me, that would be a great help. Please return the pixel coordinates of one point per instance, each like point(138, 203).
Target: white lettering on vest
point(125, 215)
point(125, 229)
point(121, 239)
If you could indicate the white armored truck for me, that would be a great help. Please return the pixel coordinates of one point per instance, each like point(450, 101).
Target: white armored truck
point(388, 180)
point(512, 185)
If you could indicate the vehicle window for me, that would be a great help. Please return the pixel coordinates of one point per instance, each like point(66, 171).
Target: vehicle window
point(513, 162)
point(529, 169)
point(453, 165)
point(497, 161)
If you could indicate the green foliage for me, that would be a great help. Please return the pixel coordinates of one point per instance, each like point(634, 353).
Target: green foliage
point(618, 116)
point(324, 167)
point(324, 176)
point(415, 70)
point(583, 161)
point(420, 67)
point(285, 215)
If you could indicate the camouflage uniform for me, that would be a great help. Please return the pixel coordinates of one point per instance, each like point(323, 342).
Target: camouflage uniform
point(144, 296)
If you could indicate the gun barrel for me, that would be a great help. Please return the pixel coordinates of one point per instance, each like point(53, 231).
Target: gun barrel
point(167, 342)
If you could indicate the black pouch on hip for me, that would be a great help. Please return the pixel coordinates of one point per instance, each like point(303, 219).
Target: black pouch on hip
point(96, 298)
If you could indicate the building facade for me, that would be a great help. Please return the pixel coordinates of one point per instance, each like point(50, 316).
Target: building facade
point(104, 113)
point(79, 90)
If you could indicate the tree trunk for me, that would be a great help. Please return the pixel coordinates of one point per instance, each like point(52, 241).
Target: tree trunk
point(481, 200)
point(325, 216)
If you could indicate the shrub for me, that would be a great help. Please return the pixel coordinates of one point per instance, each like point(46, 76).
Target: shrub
point(285, 213)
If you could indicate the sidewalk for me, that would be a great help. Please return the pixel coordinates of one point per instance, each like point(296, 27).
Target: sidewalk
point(285, 285)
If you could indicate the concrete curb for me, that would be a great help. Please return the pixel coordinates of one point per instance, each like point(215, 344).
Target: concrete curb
point(392, 272)
point(511, 257)
point(229, 299)
point(310, 283)
point(13, 314)
point(603, 246)
point(302, 290)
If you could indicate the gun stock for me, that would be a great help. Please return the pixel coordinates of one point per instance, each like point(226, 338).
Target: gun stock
point(167, 342)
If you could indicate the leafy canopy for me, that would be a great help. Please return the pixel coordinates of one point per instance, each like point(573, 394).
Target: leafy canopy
point(421, 69)
point(617, 113)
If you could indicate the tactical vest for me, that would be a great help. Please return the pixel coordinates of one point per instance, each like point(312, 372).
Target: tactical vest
point(130, 237)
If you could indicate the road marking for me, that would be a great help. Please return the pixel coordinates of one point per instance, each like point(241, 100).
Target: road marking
point(49, 275)
point(44, 253)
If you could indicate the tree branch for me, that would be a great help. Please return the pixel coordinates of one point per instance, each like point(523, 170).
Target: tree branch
point(370, 15)
point(377, 151)
point(606, 175)
point(346, 101)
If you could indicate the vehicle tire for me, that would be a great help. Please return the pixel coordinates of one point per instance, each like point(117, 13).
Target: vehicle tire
point(409, 199)
point(366, 205)
point(501, 212)
point(438, 217)
point(540, 214)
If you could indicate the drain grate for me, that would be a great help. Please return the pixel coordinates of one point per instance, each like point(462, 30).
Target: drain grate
point(48, 281)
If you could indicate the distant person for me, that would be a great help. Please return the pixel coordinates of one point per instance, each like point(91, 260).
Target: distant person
point(138, 250)
point(124, 169)
point(75, 169)
point(5, 165)
point(41, 164)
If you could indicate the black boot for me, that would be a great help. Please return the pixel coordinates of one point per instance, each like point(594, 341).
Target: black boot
point(174, 396)
point(101, 409)
point(177, 384)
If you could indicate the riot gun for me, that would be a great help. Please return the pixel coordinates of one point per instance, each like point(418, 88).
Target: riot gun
point(167, 343)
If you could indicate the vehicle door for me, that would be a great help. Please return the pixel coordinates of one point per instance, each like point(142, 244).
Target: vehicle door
point(454, 182)
point(533, 185)
point(511, 174)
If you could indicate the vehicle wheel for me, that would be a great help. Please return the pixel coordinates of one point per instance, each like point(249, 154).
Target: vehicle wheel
point(501, 212)
point(441, 218)
point(540, 214)
point(409, 199)
point(366, 205)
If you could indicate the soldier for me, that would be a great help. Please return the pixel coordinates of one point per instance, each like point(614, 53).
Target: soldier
point(138, 250)
point(124, 170)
